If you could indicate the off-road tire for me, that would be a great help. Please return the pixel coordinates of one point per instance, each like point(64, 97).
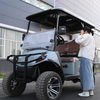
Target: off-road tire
point(42, 84)
point(7, 86)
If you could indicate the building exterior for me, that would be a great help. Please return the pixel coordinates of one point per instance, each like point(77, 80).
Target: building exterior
point(13, 23)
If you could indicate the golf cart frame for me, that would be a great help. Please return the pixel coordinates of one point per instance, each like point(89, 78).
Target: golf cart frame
point(62, 20)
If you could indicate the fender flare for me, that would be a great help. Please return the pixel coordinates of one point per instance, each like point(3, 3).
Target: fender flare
point(59, 69)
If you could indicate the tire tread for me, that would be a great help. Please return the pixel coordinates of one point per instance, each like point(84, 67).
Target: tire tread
point(40, 85)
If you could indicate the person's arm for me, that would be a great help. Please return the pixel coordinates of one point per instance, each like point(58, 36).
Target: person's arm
point(82, 39)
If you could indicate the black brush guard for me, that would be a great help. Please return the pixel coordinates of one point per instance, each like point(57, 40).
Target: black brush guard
point(24, 69)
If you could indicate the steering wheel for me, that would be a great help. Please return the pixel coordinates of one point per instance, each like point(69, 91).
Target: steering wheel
point(60, 39)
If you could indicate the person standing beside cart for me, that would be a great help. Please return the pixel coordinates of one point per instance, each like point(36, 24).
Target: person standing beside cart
point(86, 52)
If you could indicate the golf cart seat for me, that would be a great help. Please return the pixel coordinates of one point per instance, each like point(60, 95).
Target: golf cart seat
point(68, 51)
point(67, 59)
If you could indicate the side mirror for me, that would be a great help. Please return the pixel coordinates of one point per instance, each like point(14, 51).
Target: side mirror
point(62, 30)
point(23, 36)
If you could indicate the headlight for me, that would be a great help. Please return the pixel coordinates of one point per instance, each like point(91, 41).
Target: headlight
point(42, 57)
point(17, 60)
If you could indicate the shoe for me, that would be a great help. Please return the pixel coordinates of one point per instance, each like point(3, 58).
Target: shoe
point(84, 94)
point(91, 93)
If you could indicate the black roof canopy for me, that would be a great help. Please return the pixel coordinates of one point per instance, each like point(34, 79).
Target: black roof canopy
point(69, 19)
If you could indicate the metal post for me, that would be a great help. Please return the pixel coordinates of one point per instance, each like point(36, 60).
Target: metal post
point(14, 67)
point(28, 27)
point(57, 25)
point(54, 3)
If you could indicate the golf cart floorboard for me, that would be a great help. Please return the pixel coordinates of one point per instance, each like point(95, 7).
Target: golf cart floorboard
point(71, 77)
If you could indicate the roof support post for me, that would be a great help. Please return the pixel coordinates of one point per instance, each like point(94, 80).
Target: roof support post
point(54, 3)
point(28, 27)
point(57, 25)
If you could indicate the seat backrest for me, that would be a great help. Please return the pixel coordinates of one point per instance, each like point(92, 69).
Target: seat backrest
point(60, 48)
point(69, 47)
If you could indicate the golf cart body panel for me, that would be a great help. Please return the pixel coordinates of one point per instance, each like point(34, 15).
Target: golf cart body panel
point(48, 55)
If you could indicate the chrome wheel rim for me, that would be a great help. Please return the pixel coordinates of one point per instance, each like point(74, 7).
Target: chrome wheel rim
point(14, 84)
point(53, 87)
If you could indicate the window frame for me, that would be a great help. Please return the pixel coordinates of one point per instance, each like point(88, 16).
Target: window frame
point(10, 40)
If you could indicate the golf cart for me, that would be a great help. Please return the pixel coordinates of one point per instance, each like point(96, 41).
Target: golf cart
point(47, 59)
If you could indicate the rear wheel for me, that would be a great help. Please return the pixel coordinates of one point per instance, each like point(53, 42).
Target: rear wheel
point(11, 87)
point(48, 86)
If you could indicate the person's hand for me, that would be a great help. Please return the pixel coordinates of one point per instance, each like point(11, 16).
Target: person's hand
point(82, 32)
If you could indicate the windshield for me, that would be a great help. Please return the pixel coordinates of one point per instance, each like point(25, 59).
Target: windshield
point(41, 40)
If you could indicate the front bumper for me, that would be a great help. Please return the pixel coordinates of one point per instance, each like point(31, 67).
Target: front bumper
point(24, 70)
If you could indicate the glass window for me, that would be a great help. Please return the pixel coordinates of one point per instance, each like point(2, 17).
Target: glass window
point(1, 51)
point(39, 3)
point(18, 48)
point(26, 0)
point(98, 55)
point(0, 41)
point(96, 31)
point(11, 35)
point(10, 48)
point(12, 42)
point(19, 36)
point(43, 6)
point(13, 46)
point(1, 48)
point(7, 48)
point(1, 33)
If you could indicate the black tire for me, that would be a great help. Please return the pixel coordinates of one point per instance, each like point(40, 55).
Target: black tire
point(48, 86)
point(9, 88)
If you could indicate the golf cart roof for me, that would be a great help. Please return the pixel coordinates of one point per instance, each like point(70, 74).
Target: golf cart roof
point(69, 19)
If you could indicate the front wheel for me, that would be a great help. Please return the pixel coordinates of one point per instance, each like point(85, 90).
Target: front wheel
point(11, 87)
point(48, 86)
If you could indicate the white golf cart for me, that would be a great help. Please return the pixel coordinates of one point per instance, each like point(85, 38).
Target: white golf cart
point(48, 59)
